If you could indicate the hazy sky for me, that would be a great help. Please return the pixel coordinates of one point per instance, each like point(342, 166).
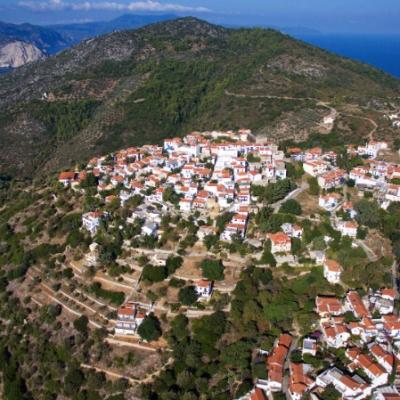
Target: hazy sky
point(360, 16)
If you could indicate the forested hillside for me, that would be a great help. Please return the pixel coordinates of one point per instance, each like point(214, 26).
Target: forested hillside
point(132, 87)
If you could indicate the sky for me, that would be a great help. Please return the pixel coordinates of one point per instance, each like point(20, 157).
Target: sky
point(327, 16)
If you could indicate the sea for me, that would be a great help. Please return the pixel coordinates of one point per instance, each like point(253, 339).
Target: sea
point(381, 51)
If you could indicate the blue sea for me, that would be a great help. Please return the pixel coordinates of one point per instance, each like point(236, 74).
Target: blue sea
point(381, 51)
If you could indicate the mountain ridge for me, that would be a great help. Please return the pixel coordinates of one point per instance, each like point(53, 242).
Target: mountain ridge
point(132, 86)
point(52, 39)
point(76, 32)
point(47, 40)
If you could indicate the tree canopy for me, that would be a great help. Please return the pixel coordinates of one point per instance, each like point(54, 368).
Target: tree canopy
point(150, 328)
point(212, 269)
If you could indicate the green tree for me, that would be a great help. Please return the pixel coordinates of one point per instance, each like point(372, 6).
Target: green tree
point(237, 355)
point(170, 195)
point(223, 220)
point(368, 213)
point(262, 218)
point(154, 274)
point(210, 241)
point(330, 393)
point(187, 295)
point(173, 263)
point(150, 328)
point(208, 330)
point(273, 192)
point(291, 206)
point(268, 258)
point(89, 181)
point(81, 325)
point(73, 380)
point(212, 269)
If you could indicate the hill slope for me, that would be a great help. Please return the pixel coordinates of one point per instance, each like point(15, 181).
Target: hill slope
point(132, 87)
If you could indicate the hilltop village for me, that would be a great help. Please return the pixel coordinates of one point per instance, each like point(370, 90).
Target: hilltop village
point(238, 201)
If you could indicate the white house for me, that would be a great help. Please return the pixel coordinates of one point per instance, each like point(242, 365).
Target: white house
point(315, 168)
point(91, 221)
point(329, 119)
point(332, 179)
point(185, 205)
point(329, 201)
point(206, 230)
point(348, 228)
point(66, 178)
point(292, 230)
point(332, 271)
point(129, 319)
point(204, 288)
point(336, 334)
point(384, 358)
point(386, 392)
point(375, 372)
point(150, 228)
point(365, 329)
point(347, 386)
point(172, 144)
point(280, 242)
point(309, 347)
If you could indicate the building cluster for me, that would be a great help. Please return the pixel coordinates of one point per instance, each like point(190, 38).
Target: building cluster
point(320, 165)
point(368, 331)
point(370, 150)
point(378, 177)
point(204, 172)
point(371, 175)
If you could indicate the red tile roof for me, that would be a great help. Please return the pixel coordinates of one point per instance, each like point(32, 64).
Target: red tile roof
point(66, 176)
point(258, 394)
point(332, 266)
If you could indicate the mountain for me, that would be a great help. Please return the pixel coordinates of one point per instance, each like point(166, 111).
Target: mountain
point(75, 33)
point(45, 39)
point(138, 86)
point(25, 43)
point(15, 54)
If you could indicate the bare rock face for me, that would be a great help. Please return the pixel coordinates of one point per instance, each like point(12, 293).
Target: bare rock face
point(307, 68)
point(17, 53)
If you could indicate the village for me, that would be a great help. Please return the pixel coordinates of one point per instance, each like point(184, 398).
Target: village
point(213, 181)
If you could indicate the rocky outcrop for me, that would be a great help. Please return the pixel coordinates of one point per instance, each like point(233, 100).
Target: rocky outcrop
point(17, 53)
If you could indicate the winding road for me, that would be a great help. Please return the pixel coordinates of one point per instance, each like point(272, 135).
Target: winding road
point(319, 102)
